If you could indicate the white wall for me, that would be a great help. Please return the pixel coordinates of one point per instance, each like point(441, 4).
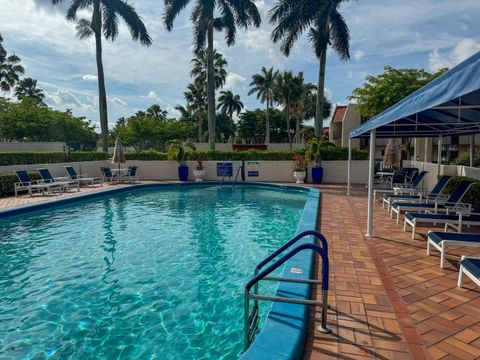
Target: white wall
point(91, 168)
point(229, 147)
point(16, 146)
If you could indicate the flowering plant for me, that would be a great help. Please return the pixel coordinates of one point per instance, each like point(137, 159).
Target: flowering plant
point(299, 162)
point(199, 165)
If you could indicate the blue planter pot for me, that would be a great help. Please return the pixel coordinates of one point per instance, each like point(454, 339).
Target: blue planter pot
point(183, 173)
point(317, 175)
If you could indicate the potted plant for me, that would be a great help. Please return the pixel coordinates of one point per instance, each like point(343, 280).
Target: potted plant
point(299, 168)
point(313, 154)
point(199, 171)
point(177, 151)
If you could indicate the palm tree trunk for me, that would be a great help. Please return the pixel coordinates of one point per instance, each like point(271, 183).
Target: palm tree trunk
point(232, 129)
point(287, 110)
point(297, 130)
point(102, 92)
point(320, 94)
point(199, 119)
point(267, 123)
point(211, 85)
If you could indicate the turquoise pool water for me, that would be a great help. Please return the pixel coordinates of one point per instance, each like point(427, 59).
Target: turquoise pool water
point(149, 274)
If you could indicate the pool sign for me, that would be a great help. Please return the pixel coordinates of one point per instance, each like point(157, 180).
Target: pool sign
point(224, 169)
point(296, 271)
point(252, 168)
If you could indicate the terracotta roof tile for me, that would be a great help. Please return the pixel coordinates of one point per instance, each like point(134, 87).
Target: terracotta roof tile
point(339, 114)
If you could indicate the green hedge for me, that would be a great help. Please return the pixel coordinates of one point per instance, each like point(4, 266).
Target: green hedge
point(13, 158)
point(473, 194)
point(464, 159)
point(328, 153)
point(7, 182)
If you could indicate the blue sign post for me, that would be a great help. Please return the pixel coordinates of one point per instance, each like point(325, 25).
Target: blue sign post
point(224, 169)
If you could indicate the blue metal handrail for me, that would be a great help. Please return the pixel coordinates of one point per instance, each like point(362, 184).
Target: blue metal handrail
point(251, 319)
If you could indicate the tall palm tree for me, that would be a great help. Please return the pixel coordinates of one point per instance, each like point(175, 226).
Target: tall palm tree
point(300, 92)
point(28, 88)
point(263, 85)
point(10, 69)
point(326, 26)
point(228, 103)
point(105, 20)
point(200, 68)
point(232, 13)
point(156, 111)
point(287, 92)
point(197, 100)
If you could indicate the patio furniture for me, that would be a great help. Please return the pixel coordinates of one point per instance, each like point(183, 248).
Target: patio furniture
point(440, 240)
point(440, 203)
point(387, 180)
point(131, 174)
point(63, 182)
point(82, 179)
point(108, 175)
point(27, 184)
point(456, 217)
point(419, 196)
point(470, 267)
point(411, 187)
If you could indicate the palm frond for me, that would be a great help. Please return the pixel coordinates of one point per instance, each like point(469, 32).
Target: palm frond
point(172, 9)
point(339, 34)
point(84, 29)
point(135, 24)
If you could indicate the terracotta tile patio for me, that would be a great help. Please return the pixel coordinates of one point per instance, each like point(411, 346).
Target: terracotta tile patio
point(389, 299)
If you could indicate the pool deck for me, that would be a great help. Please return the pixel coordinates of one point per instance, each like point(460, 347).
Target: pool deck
point(388, 299)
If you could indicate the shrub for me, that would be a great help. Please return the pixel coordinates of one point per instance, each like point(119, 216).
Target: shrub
point(7, 182)
point(12, 158)
point(473, 194)
point(464, 159)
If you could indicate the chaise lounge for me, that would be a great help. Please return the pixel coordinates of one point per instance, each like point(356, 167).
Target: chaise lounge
point(27, 184)
point(82, 179)
point(62, 182)
point(440, 240)
point(471, 268)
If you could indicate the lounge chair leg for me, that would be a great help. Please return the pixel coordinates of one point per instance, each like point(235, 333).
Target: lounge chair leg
point(398, 216)
point(414, 229)
point(429, 252)
point(442, 255)
point(405, 225)
point(460, 276)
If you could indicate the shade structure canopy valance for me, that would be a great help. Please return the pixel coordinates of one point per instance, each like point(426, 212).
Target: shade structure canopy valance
point(447, 106)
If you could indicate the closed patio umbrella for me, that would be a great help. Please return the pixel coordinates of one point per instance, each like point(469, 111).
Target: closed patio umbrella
point(392, 154)
point(118, 153)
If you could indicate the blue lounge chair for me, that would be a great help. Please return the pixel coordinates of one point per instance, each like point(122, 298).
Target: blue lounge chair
point(455, 218)
point(82, 179)
point(25, 183)
point(131, 174)
point(471, 268)
point(64, 183)
point(440, 240)
point(107, 175)
point(439, 205)
point(419, 197)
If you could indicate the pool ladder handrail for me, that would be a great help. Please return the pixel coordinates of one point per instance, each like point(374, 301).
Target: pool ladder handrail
point(251, 319)
point(235, 179)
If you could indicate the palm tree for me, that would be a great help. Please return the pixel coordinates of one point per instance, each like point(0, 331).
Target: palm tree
point(156, 111)
point(287, 92)
point(300, 93)
point(105, 20)
point(200, 68)
point(196, 100)
point(228, 103)
point(263, 85)
point(326, 27)
point(232, 13)
point(10, 69)
point(28, 88)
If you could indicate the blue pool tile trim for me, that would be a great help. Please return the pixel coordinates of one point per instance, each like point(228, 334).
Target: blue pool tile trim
point(284, 331)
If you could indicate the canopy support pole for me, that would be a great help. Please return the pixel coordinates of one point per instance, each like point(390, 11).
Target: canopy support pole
point(349, 169)
point(371, 174)
point(472, 149)
point(439, 154)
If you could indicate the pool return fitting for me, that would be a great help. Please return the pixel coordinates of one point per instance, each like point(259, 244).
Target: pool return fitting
point(251, 319)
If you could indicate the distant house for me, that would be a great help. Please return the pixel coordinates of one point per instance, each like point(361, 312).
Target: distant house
point(345, 119)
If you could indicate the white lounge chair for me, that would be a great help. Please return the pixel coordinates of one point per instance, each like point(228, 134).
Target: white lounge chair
point(82, 179)
point(440, 241)
point(470, 267)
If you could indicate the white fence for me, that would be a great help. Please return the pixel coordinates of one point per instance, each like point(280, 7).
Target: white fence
point(275, 171)
point(17, 146)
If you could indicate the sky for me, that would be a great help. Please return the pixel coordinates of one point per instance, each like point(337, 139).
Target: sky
point(429, 34)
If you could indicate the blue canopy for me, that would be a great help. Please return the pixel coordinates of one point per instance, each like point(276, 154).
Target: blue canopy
point(449, 105)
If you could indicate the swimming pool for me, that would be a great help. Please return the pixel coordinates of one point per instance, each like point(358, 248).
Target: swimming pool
point(149, 273)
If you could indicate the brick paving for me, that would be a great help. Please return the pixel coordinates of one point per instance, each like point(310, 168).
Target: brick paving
point(389, 300)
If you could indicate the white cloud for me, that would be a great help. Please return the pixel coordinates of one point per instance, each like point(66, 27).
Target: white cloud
point(62, 97)
point(358, 55)
point(463, 50)
point(90, 78)
point(234, 81)
point(116, 101)
point(152, 95)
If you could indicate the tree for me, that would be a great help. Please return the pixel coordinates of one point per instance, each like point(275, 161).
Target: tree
point(200, 69)
point(380, 92)
point(287, 91)
point(28, 88)
point(251, 130)
point(301, 91)
point(326, 27)
point(105, 20)
point(156, 112)
point(228, 104)
point(10, 69)
point(232, 13)
point(197, 100)
point(263, 85)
